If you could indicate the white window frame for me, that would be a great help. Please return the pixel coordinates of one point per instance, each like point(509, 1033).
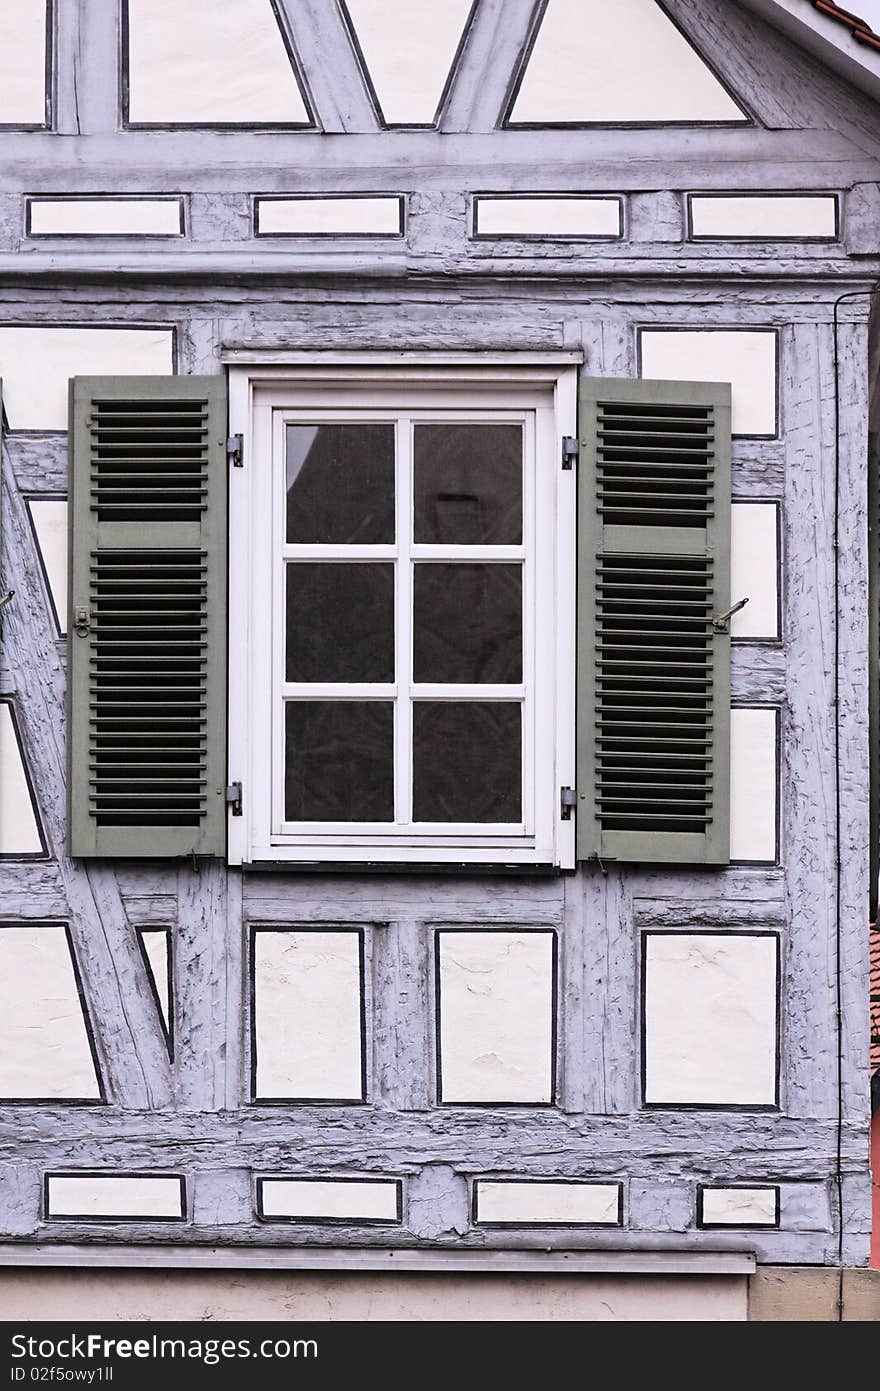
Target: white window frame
point(541, 389)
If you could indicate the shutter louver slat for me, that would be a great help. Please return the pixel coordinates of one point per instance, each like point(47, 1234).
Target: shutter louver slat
point(653, 680)
point(147, 666)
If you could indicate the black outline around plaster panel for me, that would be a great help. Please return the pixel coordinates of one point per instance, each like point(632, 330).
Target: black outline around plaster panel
point(258, 198)
point(505, 122)
point(296, 67)
point(766, 640)
point(530, 1225)
point(101, 1098)
point(48, 80)
point(373, 95)
point(49, 1216)
point(313, 1221)
point(360, 930)
point(776, 861)
point(42, 854)
point(738, 1226)
point(31, 198)
point(745, 1107)
point(691, 236)
point(722, 328)
point(167, 1025)
point(476, 198)
point(28, 498)
point(510, 929)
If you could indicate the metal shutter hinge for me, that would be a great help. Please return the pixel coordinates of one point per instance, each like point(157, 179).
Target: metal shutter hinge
point(569, 451)
point(6, 598)
point(568, 801)
point(233, 798)
point(235, 450)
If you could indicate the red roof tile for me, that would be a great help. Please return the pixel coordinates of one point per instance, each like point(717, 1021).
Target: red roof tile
point(859, 28)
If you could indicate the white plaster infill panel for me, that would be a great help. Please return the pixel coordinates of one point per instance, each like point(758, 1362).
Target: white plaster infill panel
point(538, 215)
point(754, 784)
point(100, 1197)
point(754, 569)
point(746, 358)
point(771, 217)
point(133, 216)
point(156, 945)
point(19, 828)
point(45, 1050)
point(496, 1026)
point(548, 1204)
point(408, 53)
point(351, 1200)
point(709, 1021)
point(333, 216)
point(201, 63)
point(308, 1015)
point(36, 365)
point(49, 521)
point(738, 1207)
point(626, 62)
point(23, 63)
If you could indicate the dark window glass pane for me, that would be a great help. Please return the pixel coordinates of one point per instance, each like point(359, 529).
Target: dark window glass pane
point(339, 763)
point(467, 623)
point(340, 622)
point(467, 761)
point(468, 484)
point(340, 484)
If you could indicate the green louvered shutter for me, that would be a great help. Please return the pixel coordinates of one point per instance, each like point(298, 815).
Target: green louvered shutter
point(147, 646)
point(653, 669)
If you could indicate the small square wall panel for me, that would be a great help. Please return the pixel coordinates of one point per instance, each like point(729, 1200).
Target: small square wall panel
point(754, 569)
point(75, 216)
point(746, 358)
point(109, 1197)
point(349, 1201)
point(759, 217)
point(561, 217)
point(330, 216)
point(710, 1006)
point(25, 49)
point(496, 1024)
point(45, 1045)
point(503, 1203)
point(36, 365)
point(308, 1015)
point(754, 784)
point(738, 1206)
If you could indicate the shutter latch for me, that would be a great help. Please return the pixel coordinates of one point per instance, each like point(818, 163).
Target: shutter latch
point(233, 798)
point(235, 450)
point(722, 622)
point(81, 621)
point(569, 451)
point(568, 802)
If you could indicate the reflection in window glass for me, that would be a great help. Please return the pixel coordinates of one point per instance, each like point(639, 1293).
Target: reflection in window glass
point(200, 62)
point(468, 484)
point(339, 763)
point(23, 63)
point(467, 761)
point(467, 623)
point(340, 484)
point(408, 51)
point(340, 622)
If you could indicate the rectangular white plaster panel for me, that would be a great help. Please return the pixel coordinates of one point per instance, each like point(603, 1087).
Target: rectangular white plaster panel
point(768, 217)
point(36, 365)
point(200, 62)
point(44, 1046)
point(308, 1015)
point(155, 942)
point(710, 1019)
point(141, 1197)
point(598, 62)
point(753, 784)
point(739, 1207)
point(547, 217)
point(408, 50)
point(754, 569)
point(496, 1016)
point(23, 62)
point(19, 832)
point(341, 217)
point(330, 1199)
point(745, 358)
point(548, 1203)
point(104, 217)
point(49, 516)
